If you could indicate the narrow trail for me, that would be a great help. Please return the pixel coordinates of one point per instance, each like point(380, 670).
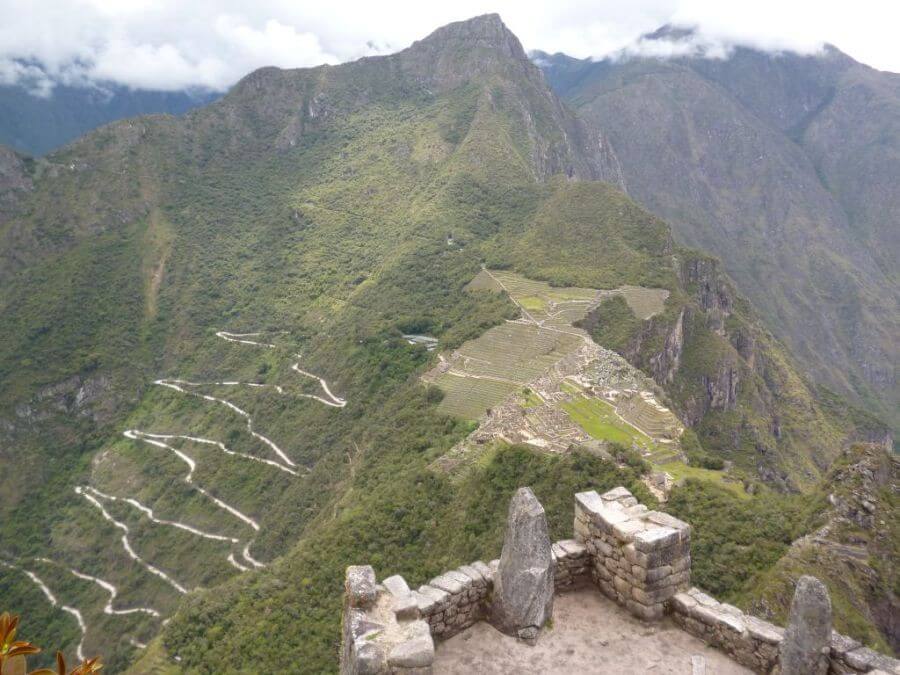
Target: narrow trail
point(109, 588)
point(179, 386)
point(136, 435)
point(126, 544)
point(51, 598)
point(244, 561)
point(335, 401)
point(146, 510)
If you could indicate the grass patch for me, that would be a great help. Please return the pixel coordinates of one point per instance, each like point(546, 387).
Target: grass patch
point(598, 418)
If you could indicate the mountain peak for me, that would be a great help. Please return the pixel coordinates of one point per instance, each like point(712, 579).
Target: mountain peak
point(481, 34)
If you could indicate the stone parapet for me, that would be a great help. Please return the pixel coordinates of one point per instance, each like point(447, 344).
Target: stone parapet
point(756, 644)
point(455, 600)
point(639, 558)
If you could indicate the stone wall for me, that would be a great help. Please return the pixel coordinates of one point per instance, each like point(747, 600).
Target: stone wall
point(456, 599)
point(640, 558)
point(755, 643)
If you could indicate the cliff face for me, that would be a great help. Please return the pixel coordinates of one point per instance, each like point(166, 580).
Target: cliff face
point(733, 383)
point(851, 552)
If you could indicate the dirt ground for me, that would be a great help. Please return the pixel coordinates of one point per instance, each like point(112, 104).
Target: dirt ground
point(590, 634)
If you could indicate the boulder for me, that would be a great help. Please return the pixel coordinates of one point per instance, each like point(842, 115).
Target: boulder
point(807, 640)
point(524, 581)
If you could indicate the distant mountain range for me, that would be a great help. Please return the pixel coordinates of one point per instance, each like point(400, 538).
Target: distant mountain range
point(35, 125)
point(787, 167)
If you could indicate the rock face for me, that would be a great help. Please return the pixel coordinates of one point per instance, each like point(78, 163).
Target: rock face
point(808, 637)
point(523, 584)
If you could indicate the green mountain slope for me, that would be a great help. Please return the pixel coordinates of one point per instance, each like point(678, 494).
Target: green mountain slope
point(207, 399)
point(786, 168)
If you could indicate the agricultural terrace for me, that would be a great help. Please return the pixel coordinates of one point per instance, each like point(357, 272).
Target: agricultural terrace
point(486, 370)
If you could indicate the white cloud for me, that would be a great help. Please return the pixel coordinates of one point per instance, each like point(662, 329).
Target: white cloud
point(172, 44)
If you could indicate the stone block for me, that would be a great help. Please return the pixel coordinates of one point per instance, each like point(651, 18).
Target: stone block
point(704, 614)
point(416, 652)
point(622, 586)
point(866, 659)
point(681, 564)
point(666, 520)
point(426, 605)
point(841, 644)
point(438, 595)
point(652, 597)
point(360, 586)
point(582, 531)
point(473, 574)
point(406, 608)
point(731, 622)
point(655, 574)
point(396, 585)
point(627, 530)
point(572, 547)
point(763, 630)
point(682, 603)
point(484, 570)
point(464, 579)
point(368, 658)
point(446, 583)
point(588, 503)
point(655, 539)
point(616, 494)
point(634, 556)
point(668, 555)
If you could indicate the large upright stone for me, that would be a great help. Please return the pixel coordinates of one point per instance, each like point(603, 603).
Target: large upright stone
point(807, 639)
point(523, 584)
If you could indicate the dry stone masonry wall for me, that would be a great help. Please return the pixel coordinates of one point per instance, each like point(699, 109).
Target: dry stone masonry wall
point(639, 558)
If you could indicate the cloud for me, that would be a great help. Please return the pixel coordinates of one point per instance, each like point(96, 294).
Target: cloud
point(172, 44)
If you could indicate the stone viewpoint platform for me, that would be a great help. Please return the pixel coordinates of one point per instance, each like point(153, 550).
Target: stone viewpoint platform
point(623, 604)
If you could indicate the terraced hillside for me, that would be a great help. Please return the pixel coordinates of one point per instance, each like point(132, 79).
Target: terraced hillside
point(483, 372)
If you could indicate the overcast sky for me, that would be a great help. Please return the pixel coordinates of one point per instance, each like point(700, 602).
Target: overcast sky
point(173, 44)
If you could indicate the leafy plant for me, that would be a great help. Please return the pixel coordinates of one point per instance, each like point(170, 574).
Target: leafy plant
point(13, 653)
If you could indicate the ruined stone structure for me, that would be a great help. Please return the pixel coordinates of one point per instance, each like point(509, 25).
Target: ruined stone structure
point(638, 558)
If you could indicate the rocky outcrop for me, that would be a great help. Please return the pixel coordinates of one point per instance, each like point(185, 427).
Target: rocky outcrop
point(524, 583)
point(807, 639)
point(848, 549)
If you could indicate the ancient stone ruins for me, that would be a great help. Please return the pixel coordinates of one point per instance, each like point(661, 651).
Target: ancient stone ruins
point(638, 558)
